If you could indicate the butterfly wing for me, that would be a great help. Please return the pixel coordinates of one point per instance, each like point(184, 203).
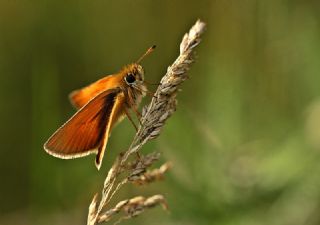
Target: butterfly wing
point(88, 130)
point(79, 98)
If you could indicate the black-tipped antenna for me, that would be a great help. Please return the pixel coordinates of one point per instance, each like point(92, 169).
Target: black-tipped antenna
point(146, 53)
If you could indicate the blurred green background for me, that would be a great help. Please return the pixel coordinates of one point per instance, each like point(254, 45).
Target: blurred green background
point(245, 140)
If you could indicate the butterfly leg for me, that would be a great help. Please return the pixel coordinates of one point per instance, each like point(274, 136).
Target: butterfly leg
point(139, 115)
point(129, 117)
point(139, 156)
point(136, 111)
point(151, 94)
point(149, 83)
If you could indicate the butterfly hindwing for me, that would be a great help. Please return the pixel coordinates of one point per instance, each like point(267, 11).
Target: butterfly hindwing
point(79, 98)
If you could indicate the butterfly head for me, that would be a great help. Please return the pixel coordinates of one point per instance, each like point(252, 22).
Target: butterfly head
point(133, 77)
point(133, 74)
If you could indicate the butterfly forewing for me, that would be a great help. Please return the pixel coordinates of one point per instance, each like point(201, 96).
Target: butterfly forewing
point(86, 130)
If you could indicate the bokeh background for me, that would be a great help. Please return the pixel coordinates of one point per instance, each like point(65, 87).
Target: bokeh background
point(245, 140)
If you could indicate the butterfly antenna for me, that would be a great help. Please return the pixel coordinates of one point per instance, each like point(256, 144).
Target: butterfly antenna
point(146, 53)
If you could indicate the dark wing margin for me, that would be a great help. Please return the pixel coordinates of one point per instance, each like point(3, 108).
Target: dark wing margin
point(85, 131)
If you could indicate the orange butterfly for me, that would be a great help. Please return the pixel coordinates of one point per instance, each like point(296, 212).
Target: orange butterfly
point(101, 105)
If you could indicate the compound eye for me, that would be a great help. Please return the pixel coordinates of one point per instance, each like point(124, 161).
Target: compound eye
point(130, 78)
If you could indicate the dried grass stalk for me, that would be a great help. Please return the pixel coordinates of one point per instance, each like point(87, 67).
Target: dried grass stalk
point(162, 106)
point(133, 207)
